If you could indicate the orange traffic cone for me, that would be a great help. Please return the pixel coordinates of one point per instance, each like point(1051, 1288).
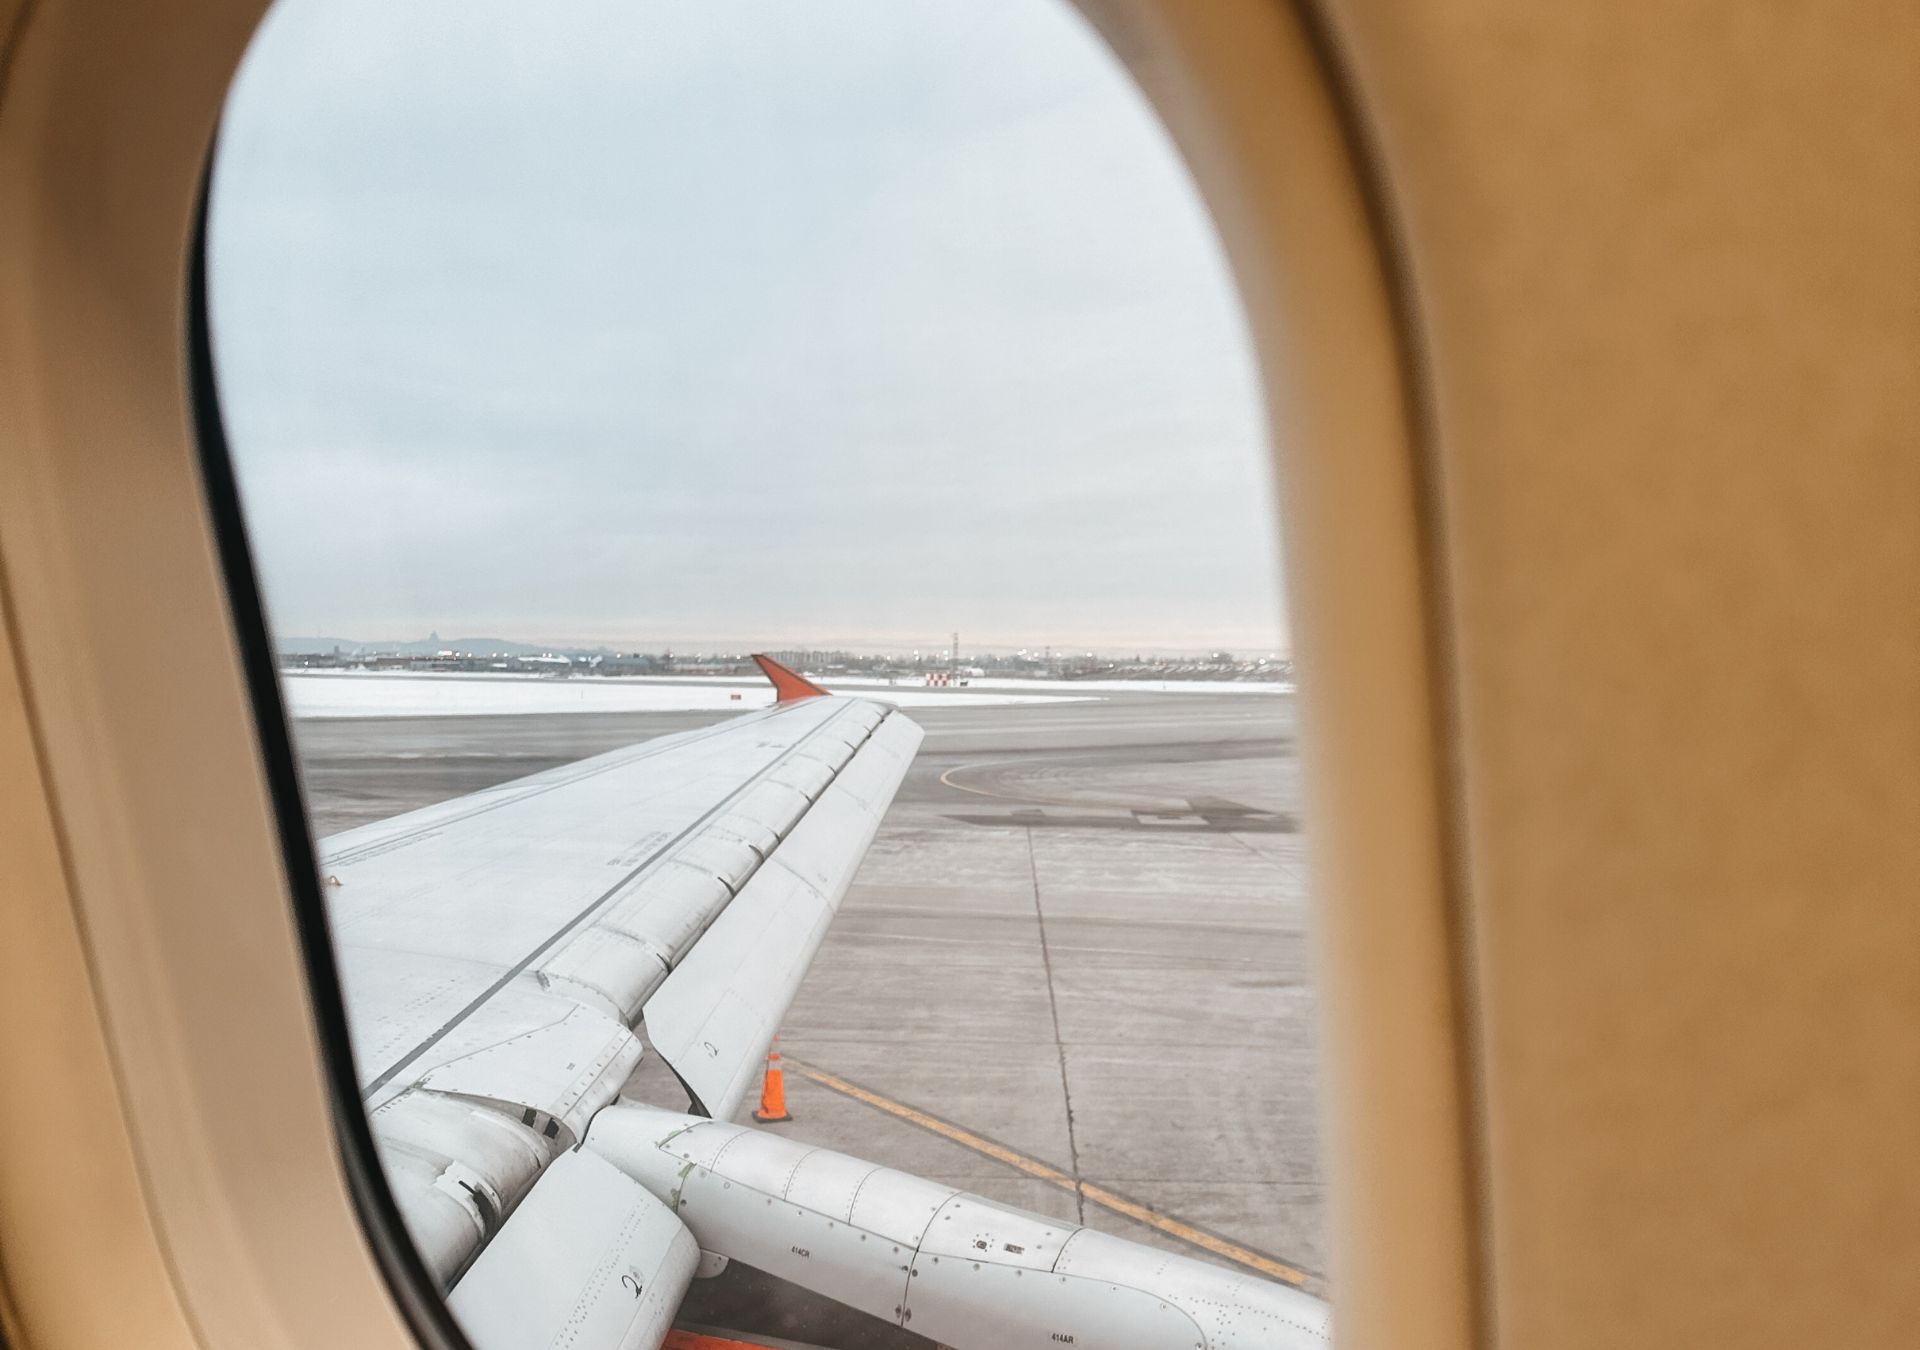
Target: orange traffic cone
point(773, 1092)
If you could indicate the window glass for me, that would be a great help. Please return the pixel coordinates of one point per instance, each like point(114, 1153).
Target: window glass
point(569, 355)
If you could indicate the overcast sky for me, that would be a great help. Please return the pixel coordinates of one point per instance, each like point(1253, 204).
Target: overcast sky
point(846, 322)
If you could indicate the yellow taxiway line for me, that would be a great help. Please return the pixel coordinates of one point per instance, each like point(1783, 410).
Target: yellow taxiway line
point(1053, 1176)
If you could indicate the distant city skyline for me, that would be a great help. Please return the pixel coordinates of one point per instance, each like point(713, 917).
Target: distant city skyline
point(748, 326)
point(484, 642)
point(863, 644)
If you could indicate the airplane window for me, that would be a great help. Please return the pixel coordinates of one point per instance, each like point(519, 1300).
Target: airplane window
point(762, 512)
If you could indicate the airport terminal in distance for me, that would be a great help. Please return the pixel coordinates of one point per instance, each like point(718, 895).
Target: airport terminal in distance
point(1071, 974)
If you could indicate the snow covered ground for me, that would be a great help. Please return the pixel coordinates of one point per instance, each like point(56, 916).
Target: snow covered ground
point(353, 693)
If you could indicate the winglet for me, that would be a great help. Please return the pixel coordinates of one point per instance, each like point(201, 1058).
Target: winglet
point(787, 686)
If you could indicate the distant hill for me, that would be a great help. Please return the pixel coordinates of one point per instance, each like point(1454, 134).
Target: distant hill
point(426, 646)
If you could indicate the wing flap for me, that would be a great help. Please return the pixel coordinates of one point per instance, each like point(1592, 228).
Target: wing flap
point(590, 1260)
point(715, 1016)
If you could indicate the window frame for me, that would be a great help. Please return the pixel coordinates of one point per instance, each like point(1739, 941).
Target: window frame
point(169, 786)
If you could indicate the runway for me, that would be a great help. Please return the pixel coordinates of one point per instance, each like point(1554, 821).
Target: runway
point(1071, 975)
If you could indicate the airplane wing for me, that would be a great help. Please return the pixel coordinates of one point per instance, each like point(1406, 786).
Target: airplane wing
point(499, 952)
point(504, 954)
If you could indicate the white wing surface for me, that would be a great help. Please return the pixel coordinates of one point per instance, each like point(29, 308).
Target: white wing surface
point(500, 952)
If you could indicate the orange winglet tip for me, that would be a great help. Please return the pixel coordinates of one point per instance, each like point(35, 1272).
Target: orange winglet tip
point(788, 687)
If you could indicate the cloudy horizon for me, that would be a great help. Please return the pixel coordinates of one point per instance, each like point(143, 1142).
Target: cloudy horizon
point(748, 325)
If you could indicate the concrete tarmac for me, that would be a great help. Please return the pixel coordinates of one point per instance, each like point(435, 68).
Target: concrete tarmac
point(1079, 942)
